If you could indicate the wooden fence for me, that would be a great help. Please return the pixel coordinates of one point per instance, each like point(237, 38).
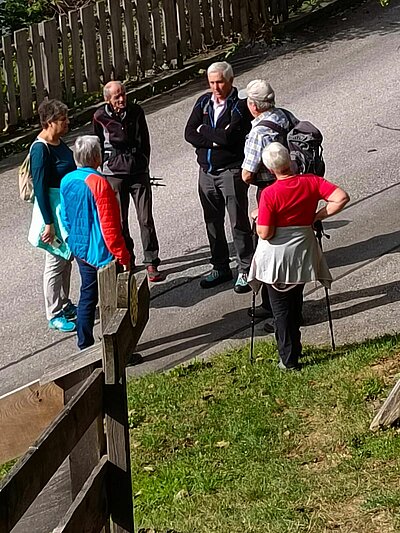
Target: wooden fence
point(91, 429)
point(73, 56)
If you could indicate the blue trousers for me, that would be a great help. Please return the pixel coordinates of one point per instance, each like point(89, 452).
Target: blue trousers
point(88, 299)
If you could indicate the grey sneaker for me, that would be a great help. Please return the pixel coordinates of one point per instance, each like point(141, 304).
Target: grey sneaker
point(241, 285)
point(216, 277)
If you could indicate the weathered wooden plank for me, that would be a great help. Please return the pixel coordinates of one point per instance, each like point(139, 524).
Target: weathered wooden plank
point(118, 451)
point(182, 31)
point(24, 414)
point(87, 452)
point(107, 280)
point(51, 62)
point(24, 73)
point(72, 363)
point(129, 29)
point(37, 63)
point(205, 8)
point(66, 67)
point(216, 20)
point(226, 18)
point(9, 80)
point(2, 104)
point(236, 17)
point(117, 47)
point(145, 44)
point(389, 413)
point(157, 32)
point(88, 513)
point(171, 29)
point(31, 474)
point(120, 338)
point(244, 21)
point(90, 48)
point(105, 61)
point(73, 17)
point(193, 7)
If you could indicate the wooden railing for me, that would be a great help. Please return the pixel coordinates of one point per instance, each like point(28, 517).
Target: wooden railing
point(73, 56)
point(91, 429)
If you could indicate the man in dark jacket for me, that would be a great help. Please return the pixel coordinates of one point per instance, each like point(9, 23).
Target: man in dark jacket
point(217, 128)
point(125, 142)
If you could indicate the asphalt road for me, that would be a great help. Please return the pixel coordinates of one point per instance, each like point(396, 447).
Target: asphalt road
point(342, 74)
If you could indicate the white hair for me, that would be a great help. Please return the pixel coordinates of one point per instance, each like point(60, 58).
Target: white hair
point(261, 105)
point(223, 68)
point(87, 151)
point(107, 87)
point(275, 156)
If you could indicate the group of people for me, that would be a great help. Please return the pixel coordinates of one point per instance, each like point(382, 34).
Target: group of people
point(82, 201)
point(83, 198)
point(239, 137)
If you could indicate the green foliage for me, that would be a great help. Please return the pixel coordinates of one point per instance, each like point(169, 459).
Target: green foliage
point(222, 445)
point(17, 14)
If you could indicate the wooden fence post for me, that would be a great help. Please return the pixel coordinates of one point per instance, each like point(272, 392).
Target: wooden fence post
point(9, 81)
point(51, 63)
point(90, 48)
point(24, 73)
point(117, 47)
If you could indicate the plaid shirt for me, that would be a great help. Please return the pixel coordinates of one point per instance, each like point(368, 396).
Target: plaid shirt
point(260, 137)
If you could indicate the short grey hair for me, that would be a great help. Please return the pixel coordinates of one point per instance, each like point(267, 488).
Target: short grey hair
point(262, 105)
point(275, 156)
point(87, 151)
point(223, 68)
point(51, 111)
point(106, 89)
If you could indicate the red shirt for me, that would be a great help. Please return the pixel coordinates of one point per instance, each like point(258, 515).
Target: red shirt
point(293, 201)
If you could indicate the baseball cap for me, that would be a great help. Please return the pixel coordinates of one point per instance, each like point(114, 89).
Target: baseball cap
point(258, 90)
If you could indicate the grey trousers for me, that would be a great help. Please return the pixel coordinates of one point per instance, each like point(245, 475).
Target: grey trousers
point(141, 194)
point(227, 191)
point(56, 282)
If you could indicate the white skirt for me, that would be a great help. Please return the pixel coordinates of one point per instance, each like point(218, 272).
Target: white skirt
point(291, 257)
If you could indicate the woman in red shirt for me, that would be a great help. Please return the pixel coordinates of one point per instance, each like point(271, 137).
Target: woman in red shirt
point(287, 254)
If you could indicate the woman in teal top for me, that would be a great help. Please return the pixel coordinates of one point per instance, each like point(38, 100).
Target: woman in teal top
point(51, 160)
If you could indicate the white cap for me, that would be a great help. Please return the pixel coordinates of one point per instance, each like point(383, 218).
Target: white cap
point(258, 90)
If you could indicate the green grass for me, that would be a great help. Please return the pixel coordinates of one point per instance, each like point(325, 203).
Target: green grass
point(225, 446)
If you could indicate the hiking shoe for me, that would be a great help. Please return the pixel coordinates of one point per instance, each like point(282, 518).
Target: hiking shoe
point(69, 311)
point(259, 312)
point(285, 368)
point(216, 277)
point(241, 285)
point(154, 274)
point(268, 327)
point(62, 324)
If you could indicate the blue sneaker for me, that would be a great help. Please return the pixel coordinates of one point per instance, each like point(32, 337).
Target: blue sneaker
point(69, 311)
point(241, 285)
point(216, 277)
point(62, 324)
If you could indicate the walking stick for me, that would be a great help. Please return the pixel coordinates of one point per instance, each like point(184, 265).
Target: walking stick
point(253, 312)
point(319, 233)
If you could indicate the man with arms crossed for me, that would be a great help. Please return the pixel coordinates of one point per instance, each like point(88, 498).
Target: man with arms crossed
point(217, 128)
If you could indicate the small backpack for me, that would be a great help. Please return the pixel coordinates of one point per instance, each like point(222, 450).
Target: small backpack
point(304, 142)
point(25, 181)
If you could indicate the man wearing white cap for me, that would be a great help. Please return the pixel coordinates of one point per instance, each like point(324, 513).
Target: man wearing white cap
point(270, 124)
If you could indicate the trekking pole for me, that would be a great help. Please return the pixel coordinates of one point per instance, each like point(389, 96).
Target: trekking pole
point(155, 181)
point(253, 301)
point(319, 233)
point(253, 312)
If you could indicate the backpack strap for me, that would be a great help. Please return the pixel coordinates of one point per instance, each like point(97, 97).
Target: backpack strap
point(40, 140)
point(273, 126)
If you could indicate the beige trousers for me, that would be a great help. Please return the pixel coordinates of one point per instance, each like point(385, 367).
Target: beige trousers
point(56, 282)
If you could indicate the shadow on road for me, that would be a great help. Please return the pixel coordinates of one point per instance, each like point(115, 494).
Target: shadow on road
point(378, 296)
point(206, 334)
